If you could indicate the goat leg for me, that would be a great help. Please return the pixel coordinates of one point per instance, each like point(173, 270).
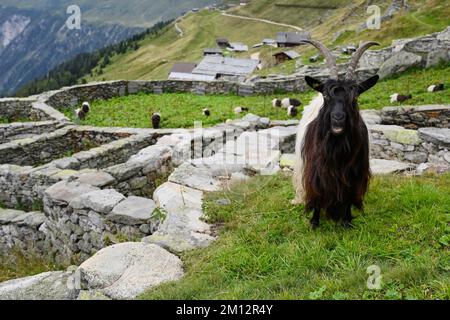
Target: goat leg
point(315, 219)
point(347, 220)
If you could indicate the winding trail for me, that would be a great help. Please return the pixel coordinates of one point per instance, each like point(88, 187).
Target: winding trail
point(180, 32)
point(262, 20)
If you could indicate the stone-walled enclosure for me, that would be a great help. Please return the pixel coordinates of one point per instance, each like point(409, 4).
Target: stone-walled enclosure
point(79, 192)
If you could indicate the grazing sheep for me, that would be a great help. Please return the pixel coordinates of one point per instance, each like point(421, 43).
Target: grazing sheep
point(332, 162)
point(206, 112)
point(399, 97)
point(276, 103)
point(80, 114)
point(86, 107)
point(156, 120)
point(292, 111)
point(286, 102)
point(239, 110)
point(436, 87)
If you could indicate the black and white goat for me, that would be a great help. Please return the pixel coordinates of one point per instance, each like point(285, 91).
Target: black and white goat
point(156, 120)
point(286, 102)
point(331, 170)
point(80, 114)
point(239, 110)
point(436, 87)
point(86, 107)
point(276, 103)
point(400, 97)
point(292, 111)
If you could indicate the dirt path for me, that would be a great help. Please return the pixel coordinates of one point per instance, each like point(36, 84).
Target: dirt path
point(262, 20)
point(180, 32)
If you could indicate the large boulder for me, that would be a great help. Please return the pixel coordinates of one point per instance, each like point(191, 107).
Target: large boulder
point(125, 270)
point(398, 63)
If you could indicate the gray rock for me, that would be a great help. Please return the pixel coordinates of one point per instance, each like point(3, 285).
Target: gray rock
point(223, 202)
point(44, 286)
point(96, 178)
point(197, 178)
point(124, 171)
point(126, 270)
point(8, 215)
point(102, 201)
point(30, 219)
point(133, 211)
point(438, 136)
point(65, 191)
point(416, 157)
point(398, 63)
point(382, 166)
point(182, 228)
point(67, 163)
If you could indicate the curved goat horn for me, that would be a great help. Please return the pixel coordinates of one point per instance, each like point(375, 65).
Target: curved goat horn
point(330, 59)
point(355, 58)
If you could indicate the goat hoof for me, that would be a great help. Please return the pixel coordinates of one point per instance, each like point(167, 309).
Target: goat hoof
point(314, 225)
point(347, 224)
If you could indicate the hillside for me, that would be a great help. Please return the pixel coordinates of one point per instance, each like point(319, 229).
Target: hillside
point(34, 38)
point(156, 56)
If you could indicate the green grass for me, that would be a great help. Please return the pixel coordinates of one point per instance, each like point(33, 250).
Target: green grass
point(414, 82)
point(179, 109)
point(182, 109)
point(266, 249)
point(17, 265)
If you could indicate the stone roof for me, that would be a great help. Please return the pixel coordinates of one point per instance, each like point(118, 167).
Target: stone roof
point(214, 65)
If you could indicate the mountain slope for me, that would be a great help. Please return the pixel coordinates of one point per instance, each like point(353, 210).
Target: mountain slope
point(34, 37)
point(156, 55)
point(342, 25)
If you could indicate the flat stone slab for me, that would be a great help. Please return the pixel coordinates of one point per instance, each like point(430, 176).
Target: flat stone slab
point(126, 270)
point(382, 166)
point(371, 116)
point(44, 286)
point(182, 228)
point(197, 178)
point(96, 178)
point(30, 219)
point(133, 211)
point(65, 191)
point(102, 201)
point(8, 215)
point(438, 136)
point(397, 134)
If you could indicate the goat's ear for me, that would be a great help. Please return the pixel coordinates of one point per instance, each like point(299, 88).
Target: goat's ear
point(367, 84)
point(314, 83)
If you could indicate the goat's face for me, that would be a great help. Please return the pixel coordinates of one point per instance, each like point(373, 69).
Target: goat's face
point(340, 108)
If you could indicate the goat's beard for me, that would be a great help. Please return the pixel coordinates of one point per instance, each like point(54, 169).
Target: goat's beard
point(336, 166)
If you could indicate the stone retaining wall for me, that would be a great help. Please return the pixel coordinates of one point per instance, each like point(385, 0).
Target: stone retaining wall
point(81, 219)
point(21, 130)
point(21, 230)
point(49, 146)
point(417, 117)
point(13, 109)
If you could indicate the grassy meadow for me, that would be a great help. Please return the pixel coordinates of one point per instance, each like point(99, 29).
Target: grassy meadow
point(266, 249)
point(182, 109)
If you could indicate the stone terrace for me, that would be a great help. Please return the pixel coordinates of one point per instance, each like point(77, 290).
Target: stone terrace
point(125, 202)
